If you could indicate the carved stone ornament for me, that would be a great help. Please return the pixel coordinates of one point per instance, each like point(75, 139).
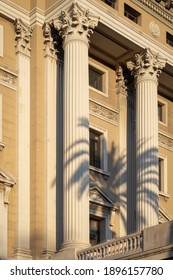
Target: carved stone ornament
point(167, 3)
point(154, 29)
point(49, 43)
point(120, 82)
point(23, 36)
point(147, 64)
point(76, 23)
point(6, 183)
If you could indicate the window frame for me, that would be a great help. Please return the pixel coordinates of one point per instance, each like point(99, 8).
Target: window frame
point(164, 112)
point(104, 72)
point(103, 148)
point(130, 13)
point(164, 188)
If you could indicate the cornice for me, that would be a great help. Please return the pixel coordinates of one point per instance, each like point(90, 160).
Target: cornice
point(37, 16)
point(13, 11)
point(157, 10)
point(103, 112)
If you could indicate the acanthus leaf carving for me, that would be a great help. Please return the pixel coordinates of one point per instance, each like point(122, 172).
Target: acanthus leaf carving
point(77, 23)
point(120, 81)
point(148, 64)
point(23, 36)
point(49, 40)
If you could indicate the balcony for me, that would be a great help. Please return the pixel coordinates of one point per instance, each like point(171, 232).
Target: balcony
point(152, 243)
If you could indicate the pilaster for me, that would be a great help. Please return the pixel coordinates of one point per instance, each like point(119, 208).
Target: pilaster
point(121, 91)
point(50, 59)
point(75, 27)
point(146, 70)
point(23, 35)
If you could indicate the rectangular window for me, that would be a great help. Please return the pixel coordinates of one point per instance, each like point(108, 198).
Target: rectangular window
point(95, 78)
point(162, 112)
point(1, 40)
point(94, 231)
point(162, 166)
point(110, 2)
point(95, 148)
point(98, 79)
point(0, 117)
point(131, 13)
point(169, 39)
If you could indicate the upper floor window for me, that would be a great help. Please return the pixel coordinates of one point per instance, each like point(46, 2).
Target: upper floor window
point(110, 2)
point(95, 78)
point(95, 148)
point(169, 39)
point(1, 40)
point(98, 79)
point(131, 13)
point(162, 174)
point(162, 112)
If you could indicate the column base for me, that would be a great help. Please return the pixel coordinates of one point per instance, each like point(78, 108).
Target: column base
point(65, 254)
point(47, 254)
point(69, 251)
point(22, 254)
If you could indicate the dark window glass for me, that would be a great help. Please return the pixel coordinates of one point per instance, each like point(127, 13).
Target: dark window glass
point(130, 13)
point(95, 78)
point(95, 138)
point(169, 39)
point(109, 2)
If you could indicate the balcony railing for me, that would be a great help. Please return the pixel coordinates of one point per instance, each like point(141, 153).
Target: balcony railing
point(113, 249)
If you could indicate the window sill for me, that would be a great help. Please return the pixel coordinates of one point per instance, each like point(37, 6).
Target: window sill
point(165, 195)
point(163, 123)
point(98, 91)
point(100, 171)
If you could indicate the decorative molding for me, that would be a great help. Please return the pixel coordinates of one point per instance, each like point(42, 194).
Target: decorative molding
point(166, 141)
point(37, 16)
point(120, 81)
point(8, 78)
point(163, 216)
point(76, 23)
point(154, 29)
point(13, 11)
point(49, 41)
point(157, 10)
point(147, 64)
point(7, 181)
point(23, 36)
point(103, 112)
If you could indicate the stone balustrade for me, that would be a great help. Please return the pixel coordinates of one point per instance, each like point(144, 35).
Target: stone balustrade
point(114, 248)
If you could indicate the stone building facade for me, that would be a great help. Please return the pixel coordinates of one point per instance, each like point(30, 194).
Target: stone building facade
point(86, 130)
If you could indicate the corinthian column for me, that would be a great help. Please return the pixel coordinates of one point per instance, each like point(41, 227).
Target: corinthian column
point(146, 70)
point(74, 26)
point(23, 35)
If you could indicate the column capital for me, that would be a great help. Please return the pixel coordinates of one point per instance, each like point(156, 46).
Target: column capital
point(49, 42)
point(120, 81)
point(23, 36)
point(75, 24)
point(146, 66)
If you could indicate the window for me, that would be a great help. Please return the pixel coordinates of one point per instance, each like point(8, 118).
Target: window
point(95, 148)
point(1, 40)
point(162, 112)
point(110, 2)
point(169, 39)
point(97, 230)
point(98, 79)
point(132, 14)
point(95, 78)
point(162, 173)
point(98, 149)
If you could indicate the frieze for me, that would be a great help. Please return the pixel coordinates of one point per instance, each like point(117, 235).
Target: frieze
point(7, 78)
point(166, 141)
point(103, 112)
point(160, 9)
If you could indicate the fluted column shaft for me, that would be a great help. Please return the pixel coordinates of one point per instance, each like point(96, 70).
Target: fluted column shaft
point(146, 70)
point(23, 34)
point(75, 26)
